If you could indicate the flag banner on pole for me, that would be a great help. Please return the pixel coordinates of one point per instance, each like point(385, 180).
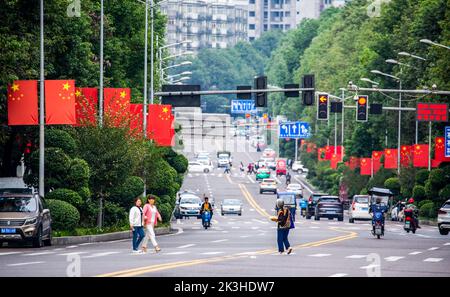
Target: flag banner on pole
point(353, 163)
point(60, 102)
point(23, 103)
point(321, 154)
point(160, 124)
point(335, 159)
point(329, 151)
point(439, 150)
point(406, 152)
point(365, 164)
point(390, 158)
point(435, 163)
point(86, 102)
point(420, 155)
point(376, 161)
point(136, 120)
point(116, 106)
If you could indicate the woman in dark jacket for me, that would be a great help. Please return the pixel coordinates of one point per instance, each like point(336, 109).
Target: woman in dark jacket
point(284, 224)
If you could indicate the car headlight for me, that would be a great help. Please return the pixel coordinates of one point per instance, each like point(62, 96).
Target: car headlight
point(31, 221)
point(182, 207)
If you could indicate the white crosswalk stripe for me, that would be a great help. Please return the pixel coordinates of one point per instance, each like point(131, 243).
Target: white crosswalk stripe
point(9, 253)
point(212, 253)
point(186, 246)
point(23, 264)
point(338, 275)
point(39, 253)
point(415, 253)
point(220, 240)
point(432, 260)
point(356, 256)
point(97, 255)
point(176, 253)
point(319, 255)
point(393, 258)
point(73, 253)
point(433, 248)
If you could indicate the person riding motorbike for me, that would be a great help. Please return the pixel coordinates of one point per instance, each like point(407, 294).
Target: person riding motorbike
point(415, 210)
point(378, 207)
point(288, 178)
point(206, 206)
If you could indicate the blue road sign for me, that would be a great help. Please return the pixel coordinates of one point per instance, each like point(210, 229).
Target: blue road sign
point(243, 106)
point(294, 130)
point(447, 141)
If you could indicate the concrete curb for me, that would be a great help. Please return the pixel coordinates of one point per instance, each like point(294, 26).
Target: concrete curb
point(428, 223)
point(69, 240)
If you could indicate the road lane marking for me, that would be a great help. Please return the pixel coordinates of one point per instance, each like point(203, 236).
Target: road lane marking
point(259, 221)
point(74, 253)
point(23, 264)
point(229, 179)
point(186, 246)
point(220, 240)
point(433, 248)
point(248, 176)
point(176, 253)
point(244, 236)
point(211, 253)
point(370, 266)
point(393, 258)
point(39, 253)
point(87, 243)
point(447, 243)
point(252, 201)
point(10, 253)
point(356, 256)
point(159, 267)
point(235, 227)
point(433, 260)
point(97, 255)
point(319, 255)
point(338, 275)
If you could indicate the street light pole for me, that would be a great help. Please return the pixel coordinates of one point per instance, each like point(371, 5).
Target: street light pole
point(145, 73)
point(343, 118)
point(152, 8)
point(41, 106)
point(429, 146)
point(100, 99)
point(399, 125)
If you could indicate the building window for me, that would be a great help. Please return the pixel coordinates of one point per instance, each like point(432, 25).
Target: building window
point(251, 13)
point(251, 26)
point(265, 27)
point(251, 1)
point(251, 38)
point(287, 14)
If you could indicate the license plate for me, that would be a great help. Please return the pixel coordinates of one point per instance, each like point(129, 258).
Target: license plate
point(331, 211)
point(407, 223)
point(364, 208)
point(192, 211)
point(8, 230)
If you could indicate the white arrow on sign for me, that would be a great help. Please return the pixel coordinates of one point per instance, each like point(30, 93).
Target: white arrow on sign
point(284, 127)
point(294, 128)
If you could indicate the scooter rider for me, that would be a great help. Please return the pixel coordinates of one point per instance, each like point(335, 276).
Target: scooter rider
point(206, 206)
point(378, 207)
point(288, 178)
point(415, 210)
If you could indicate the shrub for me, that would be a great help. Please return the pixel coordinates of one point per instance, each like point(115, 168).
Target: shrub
point(57, 138)
point(418, 192)
point(422, 176)
point(66, 195)
point(393, 184)
point(421, 203)
point(444, 193)
point(85, 193)
point(430, 190)
point(428, 210)
point(179, 163)
point(437, 178)
point(115, 215)
point(78, 175)
point(64, 215)
point(166, 211)
point(124, 194)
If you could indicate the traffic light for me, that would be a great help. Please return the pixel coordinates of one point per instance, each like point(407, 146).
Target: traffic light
point(292, 93)
point(308, 96)
point(336, 107)
point(376, 108)
point(322, 107)
point(361, 108)
point(244, 95)
point(261, 98)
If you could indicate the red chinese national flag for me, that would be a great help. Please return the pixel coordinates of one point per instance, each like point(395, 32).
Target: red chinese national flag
point(366, 166)
point(23, 103)
point(439, 150)
point(420, 155)
point(335, 158)
point(406, 155)
point(116, 105)
point(376, 160)
point(353, 163)
point(60, 102)
point(329, 151)
point(136, 120)
point(321, 154)
point(160, 124)
point(390, 158)
point(86, 100)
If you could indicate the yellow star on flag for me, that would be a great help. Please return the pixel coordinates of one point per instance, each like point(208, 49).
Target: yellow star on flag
point(165, 109)
point(15, 87)
point(123, 94)
point(78, 93)
point(66, 86)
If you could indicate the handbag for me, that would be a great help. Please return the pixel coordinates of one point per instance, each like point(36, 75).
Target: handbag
point(291, 220)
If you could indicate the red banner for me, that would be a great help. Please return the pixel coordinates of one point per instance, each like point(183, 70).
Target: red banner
point(321, 154)
point(160, 124)
point(23, 103)
point(420, 155)
point(60, 102)
point(406, 152)
point(116, 105)
point(353, 163)
point(329, 150)
point(376, 161)
point(335, 159)
point(366, 166)
point(86, 101)
point(136, 120)
point(439, 150)
point(390, 158)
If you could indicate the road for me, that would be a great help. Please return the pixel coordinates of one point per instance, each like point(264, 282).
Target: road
point(245, 245)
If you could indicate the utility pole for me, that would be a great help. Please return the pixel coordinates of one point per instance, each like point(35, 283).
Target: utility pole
point(100, 99)
point(41, 106)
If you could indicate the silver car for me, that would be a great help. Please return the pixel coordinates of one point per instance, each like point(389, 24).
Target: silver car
point(188, 205)
point(444, 218)
point(231, 206)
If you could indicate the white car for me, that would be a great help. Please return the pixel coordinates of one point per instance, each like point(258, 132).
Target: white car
point(270, 163)
point(231, 206)
point(268, 185)
point(199, 167)
point(295, 188)
point(359, 209)
point(444, 218)
point(202, 154)
point(189, 206)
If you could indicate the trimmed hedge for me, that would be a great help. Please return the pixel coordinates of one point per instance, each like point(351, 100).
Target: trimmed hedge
point(60, 139)
point(419, 192)
point(66, 195)
point(166, 211)
point(428, 210)
point(64, 215)
point(393, 184)
point(422, 176)
point(423, 202)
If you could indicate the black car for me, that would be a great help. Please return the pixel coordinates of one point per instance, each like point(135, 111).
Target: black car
point(329, 207)
point(312, 201)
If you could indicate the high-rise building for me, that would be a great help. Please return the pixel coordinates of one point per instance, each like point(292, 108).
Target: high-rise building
point(206, 23)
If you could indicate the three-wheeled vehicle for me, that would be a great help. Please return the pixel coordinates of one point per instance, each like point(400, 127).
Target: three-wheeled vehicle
point(280, 167)
point(290, 200)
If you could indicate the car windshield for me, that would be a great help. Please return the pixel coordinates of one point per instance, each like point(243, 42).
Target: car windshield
point(288, 198)
point(18, 204)
point(194, 163)
point(362, 200)
point(316, 197)
point(231, 202)
point(446, 205)
point(190, 201)
point(329, 199)
point(294, 186)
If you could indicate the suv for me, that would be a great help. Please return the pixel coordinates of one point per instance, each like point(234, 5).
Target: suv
point(24, 218)
point(298, 167)
point(444, 218)
point(312, 201)
point(329, 207)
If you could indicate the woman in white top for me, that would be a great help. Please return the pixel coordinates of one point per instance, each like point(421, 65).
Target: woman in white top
point(152, 217)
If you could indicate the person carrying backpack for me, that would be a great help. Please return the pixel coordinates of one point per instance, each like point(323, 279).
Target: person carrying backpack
point(284, 224)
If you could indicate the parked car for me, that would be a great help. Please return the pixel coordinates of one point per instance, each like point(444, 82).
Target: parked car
point(298, 167)
point(295, 188)
point(199, 167)
point(202, 154)
point(444, 218)
point(268, 185)
point(262, 173)
point(312, 201)
point(359, 209)
point(24, 218)
point(329, 207)
point(187, 205)
point(231, 206)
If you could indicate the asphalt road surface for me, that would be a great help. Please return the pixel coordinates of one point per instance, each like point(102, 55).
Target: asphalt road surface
point(245, 245)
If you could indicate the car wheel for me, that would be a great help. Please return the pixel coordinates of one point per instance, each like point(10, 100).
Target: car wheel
point(206, 170)
point(37, 241)
point(340, 219)
point(240, 214)
point(351, 220)
point(441, 231)
point(222, 214)
point(316, 218)
point(48, 241)
point(308, 217)
point(260, 191)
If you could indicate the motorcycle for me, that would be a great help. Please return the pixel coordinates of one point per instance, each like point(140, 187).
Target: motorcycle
point(378, 225)
point(206, 219)
point(303, 206)
point(410, 223)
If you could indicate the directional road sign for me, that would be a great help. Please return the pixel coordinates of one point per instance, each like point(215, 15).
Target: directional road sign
point(243, 106)
point(447, 141)
point(294, 130)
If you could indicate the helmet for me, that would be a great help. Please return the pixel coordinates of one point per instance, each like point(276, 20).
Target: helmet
point(280, 203)
point(411, 200)
point(378, 200)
